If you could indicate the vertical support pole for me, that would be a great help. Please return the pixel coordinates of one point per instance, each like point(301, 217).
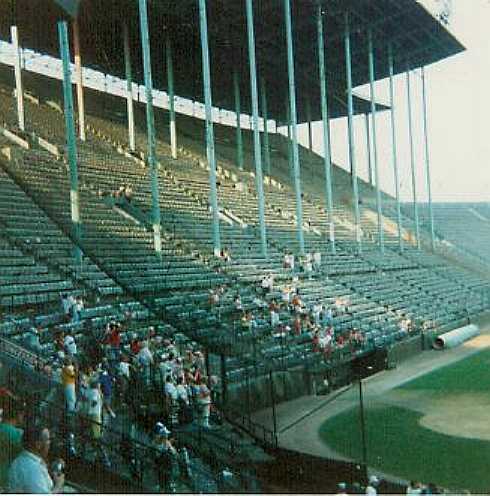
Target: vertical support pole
point(19, 91)
point(412, 160)
point(150, 124)
point(267, 153)
point(427, 163)
point(327, 155)
point(224, 379)
point(294, 126)
point(79, 79)
point(350, 122)
point(209, 125)
point(259, 181)
point(362, 420)
point(381, 241)
point(290, 149)
point(70, 140)
point(394, 148)
point(239, 139)
point(171, 96)
point(129, 87)
point(368, 149)
point(273, 400)
point(310, 132)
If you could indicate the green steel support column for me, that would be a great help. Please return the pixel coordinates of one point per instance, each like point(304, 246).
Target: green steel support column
point(394, 148)
point(239, 139)
point(327, 155)
point(71, 140)
point(368, 149)
point(412, 160)
point(292, 106)
point(310, 132)
point(427, 163)
point(18, 78)
point(379, 207)
point(259, 181)
point(129, 87)
point(79, 79)
point(209, 126)
point(150, 124)
point(350, 122)
point(171, 96)
point(290, 149)
point(267, 153)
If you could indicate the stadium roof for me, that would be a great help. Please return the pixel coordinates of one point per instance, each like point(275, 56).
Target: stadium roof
point(417, 37)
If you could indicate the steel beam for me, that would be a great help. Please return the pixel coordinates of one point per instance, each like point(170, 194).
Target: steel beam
point(379, 207)
point(294, 126)
point(150, 125)
point(327, 155)
point(412, 160)
point(71, 140)
point(259, 181)
point(350, 125)
point(210, 150)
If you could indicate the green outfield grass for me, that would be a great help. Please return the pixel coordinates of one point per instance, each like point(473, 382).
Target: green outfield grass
point(397, 444)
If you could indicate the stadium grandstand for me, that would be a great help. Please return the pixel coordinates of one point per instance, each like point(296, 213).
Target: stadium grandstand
point(183, 286)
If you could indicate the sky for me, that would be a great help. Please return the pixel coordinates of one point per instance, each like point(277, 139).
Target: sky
point(458, 94)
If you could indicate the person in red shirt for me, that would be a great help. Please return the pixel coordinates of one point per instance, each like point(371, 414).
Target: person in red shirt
point(114, 338)
point(135, 346)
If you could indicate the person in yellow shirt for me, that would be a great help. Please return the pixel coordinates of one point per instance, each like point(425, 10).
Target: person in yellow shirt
point(68, 378)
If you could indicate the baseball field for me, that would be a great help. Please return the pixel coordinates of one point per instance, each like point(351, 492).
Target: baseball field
point(435, 428)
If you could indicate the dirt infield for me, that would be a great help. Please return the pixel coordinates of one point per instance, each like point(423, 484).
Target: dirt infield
point(459, 415)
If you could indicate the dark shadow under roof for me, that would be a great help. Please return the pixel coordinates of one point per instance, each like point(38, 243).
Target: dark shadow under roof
point(416, 36)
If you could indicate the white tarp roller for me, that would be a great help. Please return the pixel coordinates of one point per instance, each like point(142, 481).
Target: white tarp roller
point(454, 338)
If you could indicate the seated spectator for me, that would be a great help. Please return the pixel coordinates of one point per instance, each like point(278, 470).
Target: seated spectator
point(225, 255)
point(317, 260)
point(238, 303)
point(296, 303)
point(66, 305)
point(372, 487)
point(274, 316)
point(414, 488)
point(33, 342)
point(214, 298)
point(77, 308)
point(297, 325)
point(71, 303)
point(10, 435)
point(266, 284)
point(29, 472)
point(128, 192)
point(315, 312)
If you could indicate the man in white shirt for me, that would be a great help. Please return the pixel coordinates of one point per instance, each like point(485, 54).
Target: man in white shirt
point(29, 472)
point(170, 390)
point(371, 488)
point(94, 410)
point(70, 345)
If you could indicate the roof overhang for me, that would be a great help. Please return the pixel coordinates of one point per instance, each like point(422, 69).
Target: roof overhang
point(416, 36)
